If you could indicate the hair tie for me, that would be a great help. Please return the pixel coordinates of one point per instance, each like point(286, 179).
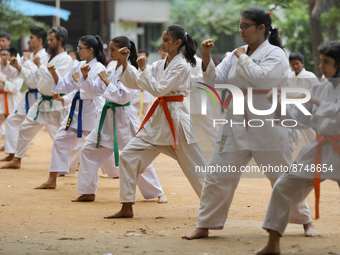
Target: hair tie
point(270, 13)
point(186, 34)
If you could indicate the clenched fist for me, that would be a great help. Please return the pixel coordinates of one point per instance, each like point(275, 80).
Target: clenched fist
point(141, 62)
point(51, 68)
point(207, 46)
point(76, 76)
point(36, 60)
point(85, 69)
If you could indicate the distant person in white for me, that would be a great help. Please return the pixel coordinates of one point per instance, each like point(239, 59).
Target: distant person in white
point(302, 79)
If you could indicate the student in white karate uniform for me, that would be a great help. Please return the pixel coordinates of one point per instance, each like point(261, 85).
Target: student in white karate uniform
point(195, 102)
point(261, 65)
point(293, 187)
point(168, 128)
point(113, 130)
point(85, 106)
point(26, 69)
point(301, 78)
point(45, 110)
point(10, 95)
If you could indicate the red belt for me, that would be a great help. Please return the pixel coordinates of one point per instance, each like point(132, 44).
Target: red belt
point(322, 139)
point(6, 101)
point(162, 101)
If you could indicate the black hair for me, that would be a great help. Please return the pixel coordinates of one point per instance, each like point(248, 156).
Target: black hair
point(178, 32)
point(60, 32)
point(40, 33)
point(122, 41)
point(96, 44)
point(69, 47)
point(331, 49)
point(260, 16)
point(5, 35)
point(73, 51)
point(144, 51)
point(12, 52)
point(296, 55)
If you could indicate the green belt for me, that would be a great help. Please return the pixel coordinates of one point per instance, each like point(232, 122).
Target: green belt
point(113, 106)
point(44, 98)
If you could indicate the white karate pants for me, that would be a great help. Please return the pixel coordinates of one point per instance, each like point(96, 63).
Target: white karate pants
point(13, 124)
point(93, 157)
point(138, 154)
point(287, 191)
point(219, 187)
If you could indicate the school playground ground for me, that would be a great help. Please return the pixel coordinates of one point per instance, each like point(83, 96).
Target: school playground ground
point(47, 222)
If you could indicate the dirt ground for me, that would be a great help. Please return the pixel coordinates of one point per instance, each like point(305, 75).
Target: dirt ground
point(47, 222)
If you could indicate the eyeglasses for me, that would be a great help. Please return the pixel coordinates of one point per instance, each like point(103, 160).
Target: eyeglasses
point(245, 26)
point(80, 48)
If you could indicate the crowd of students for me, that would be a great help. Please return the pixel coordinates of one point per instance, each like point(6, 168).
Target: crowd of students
point(122, 117)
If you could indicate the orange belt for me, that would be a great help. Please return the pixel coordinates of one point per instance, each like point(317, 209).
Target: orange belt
point(245, 92)
point(6, 101)
point(162, 101)
point(322, 139)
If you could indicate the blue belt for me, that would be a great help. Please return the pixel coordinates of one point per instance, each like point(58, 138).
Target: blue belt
point(80, 110)
point(35, 91)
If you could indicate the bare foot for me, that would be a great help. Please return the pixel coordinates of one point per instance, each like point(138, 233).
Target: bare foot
point(268, 250)
point(310, 230)
point(197, 233)
point(46, 185)
point(273, 245)
point(15, 163)
point(125, 212)
point(8, 158)
point(162, 199)
point(85, 198)
point(51, 182)
point(2, 148)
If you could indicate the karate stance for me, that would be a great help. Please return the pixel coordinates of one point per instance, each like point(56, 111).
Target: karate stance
point(167, 127)
point(85, 106)
point(321, 157)
point(261, 65)
point(26, 69)
point(45, 110)
point(114, 129)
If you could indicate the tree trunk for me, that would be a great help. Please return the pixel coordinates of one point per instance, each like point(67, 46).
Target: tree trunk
point(333, 27)
point(315, 32)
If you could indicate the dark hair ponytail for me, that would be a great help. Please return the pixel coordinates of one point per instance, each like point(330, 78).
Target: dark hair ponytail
point(96, 44)
point(178, 32)
point(123, 41)
point(260, 16)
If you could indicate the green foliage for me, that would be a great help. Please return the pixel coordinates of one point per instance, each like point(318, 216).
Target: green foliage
point(332, 16)
point(15, 23)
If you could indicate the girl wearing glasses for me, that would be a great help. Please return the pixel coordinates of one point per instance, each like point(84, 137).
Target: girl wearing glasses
point(84, 109)
point(261, 64)
point(113, 130)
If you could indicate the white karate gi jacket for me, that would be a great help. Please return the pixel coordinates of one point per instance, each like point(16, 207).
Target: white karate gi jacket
point(92, 104)
point(12, 86)
point(126, 119)
point(29, 75)
point(266, 68)
point(325, 120)
point(304, 79)
point(173, 81)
